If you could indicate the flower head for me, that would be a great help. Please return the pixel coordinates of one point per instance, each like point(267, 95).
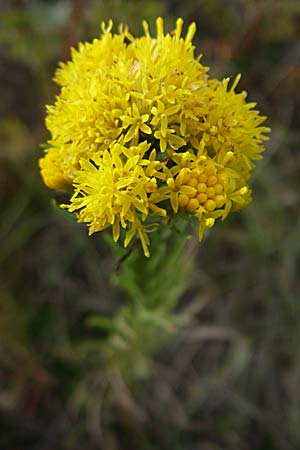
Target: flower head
point(140, 131)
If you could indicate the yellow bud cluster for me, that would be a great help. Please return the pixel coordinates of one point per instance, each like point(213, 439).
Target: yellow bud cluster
point(208, 190)
point(52, 174)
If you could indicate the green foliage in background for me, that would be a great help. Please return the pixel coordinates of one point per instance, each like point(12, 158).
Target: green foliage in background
point(196, 348)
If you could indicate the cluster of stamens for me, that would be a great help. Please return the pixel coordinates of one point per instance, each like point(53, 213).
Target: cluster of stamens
point(208, 191)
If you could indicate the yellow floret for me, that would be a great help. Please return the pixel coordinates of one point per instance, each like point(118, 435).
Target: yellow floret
point(210, 205)
point(210, 192)
point(192, 205)
point(183, 200)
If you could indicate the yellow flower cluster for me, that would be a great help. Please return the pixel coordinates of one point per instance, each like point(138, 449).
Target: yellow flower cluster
point(141, 133)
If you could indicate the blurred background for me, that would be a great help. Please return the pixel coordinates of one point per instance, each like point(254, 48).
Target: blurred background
point(230, 379)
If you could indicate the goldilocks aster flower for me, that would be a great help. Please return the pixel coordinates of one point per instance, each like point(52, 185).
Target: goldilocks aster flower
point(141, 132)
